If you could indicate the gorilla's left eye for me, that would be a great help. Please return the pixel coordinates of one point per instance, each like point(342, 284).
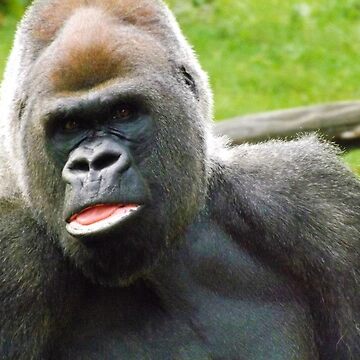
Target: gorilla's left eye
point(124, 112)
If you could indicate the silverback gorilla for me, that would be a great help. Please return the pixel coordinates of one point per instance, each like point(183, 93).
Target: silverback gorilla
point(129, 231)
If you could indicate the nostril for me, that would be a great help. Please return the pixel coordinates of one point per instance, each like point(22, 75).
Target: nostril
point(104, 160)
point(79, 165)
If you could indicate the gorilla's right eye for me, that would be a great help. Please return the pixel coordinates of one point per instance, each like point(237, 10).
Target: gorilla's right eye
point(71, 125)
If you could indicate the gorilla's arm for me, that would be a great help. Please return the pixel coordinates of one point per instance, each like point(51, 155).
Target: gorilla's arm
point(33, 277)
point(297, 206)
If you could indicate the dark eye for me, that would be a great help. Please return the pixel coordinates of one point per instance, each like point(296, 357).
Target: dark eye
point(71, 125)
point(123, 113)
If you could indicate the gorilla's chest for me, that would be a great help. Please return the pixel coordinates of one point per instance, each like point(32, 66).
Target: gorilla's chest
point(215, 302)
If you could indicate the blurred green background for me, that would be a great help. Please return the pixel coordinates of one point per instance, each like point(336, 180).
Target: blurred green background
point(261, 55)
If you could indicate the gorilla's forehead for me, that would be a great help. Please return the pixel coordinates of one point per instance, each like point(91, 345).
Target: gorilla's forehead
point(93, 48)
point(150, 15)
point(90, 42)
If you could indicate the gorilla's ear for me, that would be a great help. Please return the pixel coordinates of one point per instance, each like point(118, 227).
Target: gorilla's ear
point(189, 81)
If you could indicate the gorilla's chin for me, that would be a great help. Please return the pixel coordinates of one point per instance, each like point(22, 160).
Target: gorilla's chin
point(119, 256)
point(111, 275)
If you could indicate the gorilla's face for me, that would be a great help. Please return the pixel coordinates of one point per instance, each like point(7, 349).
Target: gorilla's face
point(115, 148)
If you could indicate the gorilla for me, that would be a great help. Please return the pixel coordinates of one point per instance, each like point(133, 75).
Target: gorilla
point(128, 230)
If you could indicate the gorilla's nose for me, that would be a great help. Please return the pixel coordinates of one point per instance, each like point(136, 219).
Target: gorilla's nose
point(92, 160)
point(99, 162)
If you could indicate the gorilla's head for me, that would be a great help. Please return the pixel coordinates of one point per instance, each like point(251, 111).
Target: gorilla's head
point(105, 129)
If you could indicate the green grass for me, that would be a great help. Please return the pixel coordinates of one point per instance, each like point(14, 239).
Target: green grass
point(353, 159)
point(265, 55)
point(272, 54)
point(7, 29)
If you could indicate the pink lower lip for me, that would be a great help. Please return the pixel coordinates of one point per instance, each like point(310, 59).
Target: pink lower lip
point(97, 213)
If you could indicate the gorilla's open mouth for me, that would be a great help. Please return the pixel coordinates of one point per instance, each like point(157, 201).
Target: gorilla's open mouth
point(100, 218)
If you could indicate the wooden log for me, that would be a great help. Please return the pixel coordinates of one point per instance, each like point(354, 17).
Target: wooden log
point(337, 121)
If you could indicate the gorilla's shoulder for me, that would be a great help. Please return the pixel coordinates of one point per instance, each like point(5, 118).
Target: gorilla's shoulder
point(16, 220)
point(299, 190)
point(307, 165)
point(302, 154)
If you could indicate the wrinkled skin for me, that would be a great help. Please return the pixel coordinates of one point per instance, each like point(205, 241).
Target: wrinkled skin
point(129, 231)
